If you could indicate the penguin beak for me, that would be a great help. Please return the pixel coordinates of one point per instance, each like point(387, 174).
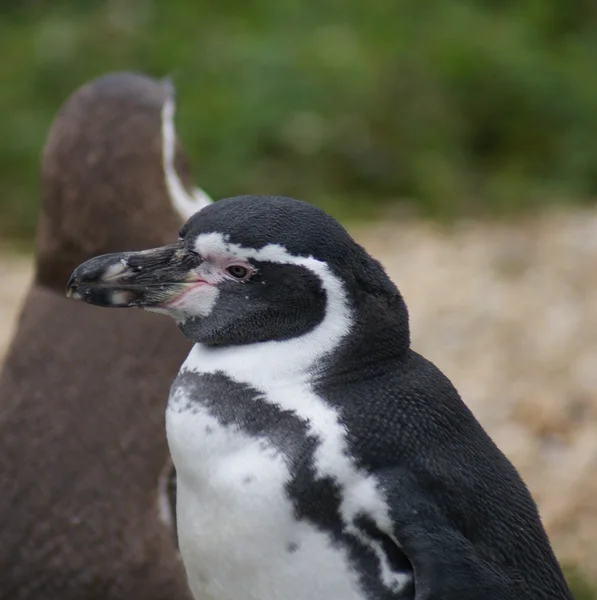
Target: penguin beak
point(149, 278)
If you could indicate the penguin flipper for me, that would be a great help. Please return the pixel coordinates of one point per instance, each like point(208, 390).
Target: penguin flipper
point(445, 563)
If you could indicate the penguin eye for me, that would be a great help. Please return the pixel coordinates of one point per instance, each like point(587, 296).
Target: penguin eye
point(238, 271)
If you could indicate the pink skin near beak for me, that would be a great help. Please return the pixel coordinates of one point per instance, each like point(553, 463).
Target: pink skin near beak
point(178, 300)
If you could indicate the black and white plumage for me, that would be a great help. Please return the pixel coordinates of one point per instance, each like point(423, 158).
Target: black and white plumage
point(318, 457)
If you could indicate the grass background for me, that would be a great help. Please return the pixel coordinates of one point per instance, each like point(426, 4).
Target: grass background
point(474, 107)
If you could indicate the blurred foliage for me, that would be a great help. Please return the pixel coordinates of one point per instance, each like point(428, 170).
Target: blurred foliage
point(451, 107)
point(580, 587)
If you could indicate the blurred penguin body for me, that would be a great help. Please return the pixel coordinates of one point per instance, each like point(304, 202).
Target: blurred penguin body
point(83, 453)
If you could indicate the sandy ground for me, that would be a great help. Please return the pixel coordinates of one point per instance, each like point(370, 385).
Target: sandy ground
point(509, 313)
point(15, 273)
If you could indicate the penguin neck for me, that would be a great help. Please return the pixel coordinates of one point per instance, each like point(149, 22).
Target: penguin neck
point(379, 336)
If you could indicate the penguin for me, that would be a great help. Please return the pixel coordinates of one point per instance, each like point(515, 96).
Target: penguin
point(318, 456)
point(84, 463)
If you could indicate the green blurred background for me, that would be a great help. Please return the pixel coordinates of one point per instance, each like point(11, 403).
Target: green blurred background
point(448, 108)
point(442, 108)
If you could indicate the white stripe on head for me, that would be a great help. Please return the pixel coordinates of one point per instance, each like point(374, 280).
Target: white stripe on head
point(306, 350)
point(201, 197)
point(184, 204)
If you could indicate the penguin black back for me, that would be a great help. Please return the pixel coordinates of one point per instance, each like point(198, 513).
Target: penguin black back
point(82, 394)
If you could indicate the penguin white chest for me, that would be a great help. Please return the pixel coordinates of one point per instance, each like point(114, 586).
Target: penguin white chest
point(238, 531)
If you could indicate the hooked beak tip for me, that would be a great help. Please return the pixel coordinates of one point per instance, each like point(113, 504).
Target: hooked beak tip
point(71, 286)
point(90, 281)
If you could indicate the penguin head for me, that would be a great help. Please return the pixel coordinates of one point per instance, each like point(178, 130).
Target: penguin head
point(113, 174)
point(244, 270)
